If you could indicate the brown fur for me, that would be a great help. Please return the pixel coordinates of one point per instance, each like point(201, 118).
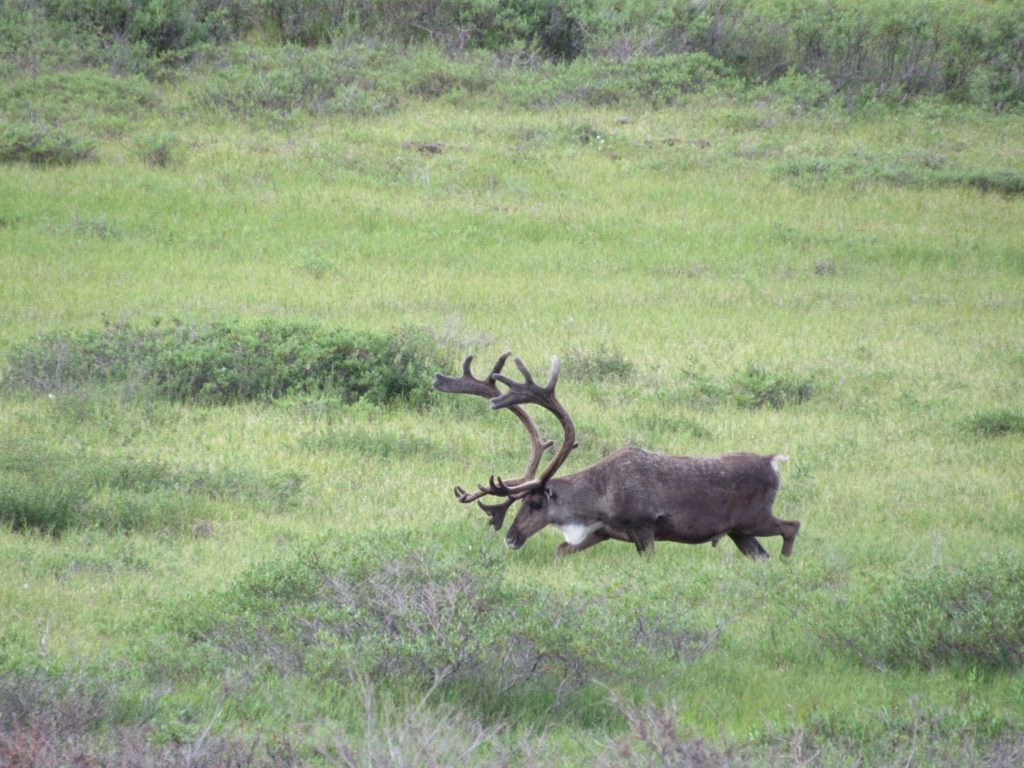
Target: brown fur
point(642, 497)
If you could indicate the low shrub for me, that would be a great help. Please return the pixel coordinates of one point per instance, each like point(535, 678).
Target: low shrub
point(602, 364)
point(78, 96)
point(996, 423)
point(917, 172)
point(752, 387)
point(135, 747)
point(434, 620)
point(659, 81)
point(43, 144)
point(946, 737)
point(160, 150)
point(757, 387)
point(57, 702)
point(967, 618)
point(278, 82)
point(416, 736)
point(99, 227)
point(1009, 183)
point(231, 362)
point(159, 25)
point(654, 739)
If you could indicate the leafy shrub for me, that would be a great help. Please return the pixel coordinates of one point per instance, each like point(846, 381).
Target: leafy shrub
point(601, 365)
point(659, 81)
point(160, 150)
point(913, 171)
point(555, 28)
point(41, 144)
point(53, 97)
point(231, 362)
point(256, 82)
point(160, 25)
point(756, 387)
point(996, 423)
point(1004, 182)
point(969, 618)
point(752, 387)
point(299, 22)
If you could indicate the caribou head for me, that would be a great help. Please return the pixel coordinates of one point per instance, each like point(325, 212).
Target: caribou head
point(517, 395)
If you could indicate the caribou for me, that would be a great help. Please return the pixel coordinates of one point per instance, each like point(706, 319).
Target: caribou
point(632, 495)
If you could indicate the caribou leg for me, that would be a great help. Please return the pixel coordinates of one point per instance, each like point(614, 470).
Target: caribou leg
point(749, 546)
point(565, 548)
point(787, 529)
point(790, 530)
point(643, 540)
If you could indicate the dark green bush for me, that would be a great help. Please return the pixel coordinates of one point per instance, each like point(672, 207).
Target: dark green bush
point(58, 96)
point(752, 387)
point(160, 150)
point(1004, 182)
point(660, 81)
point(231, 362)
point(757, 387)
point(923, 171)
point(42, 144)
point(602, 364)
point(995, 423)
point(255, 83)
point(557, 29)
point(967, 618)
point(160, 25)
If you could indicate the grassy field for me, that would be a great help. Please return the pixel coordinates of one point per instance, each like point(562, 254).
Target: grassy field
point(288, 579)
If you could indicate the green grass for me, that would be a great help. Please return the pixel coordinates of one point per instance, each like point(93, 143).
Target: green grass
point(703, 299)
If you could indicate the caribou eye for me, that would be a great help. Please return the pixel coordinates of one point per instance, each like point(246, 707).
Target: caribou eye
point(536, 504)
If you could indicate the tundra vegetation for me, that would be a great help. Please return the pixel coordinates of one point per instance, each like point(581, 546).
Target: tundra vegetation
point(237, 239)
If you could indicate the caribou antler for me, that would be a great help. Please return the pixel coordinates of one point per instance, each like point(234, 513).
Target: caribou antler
point(468, 384)
point(521, 393)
